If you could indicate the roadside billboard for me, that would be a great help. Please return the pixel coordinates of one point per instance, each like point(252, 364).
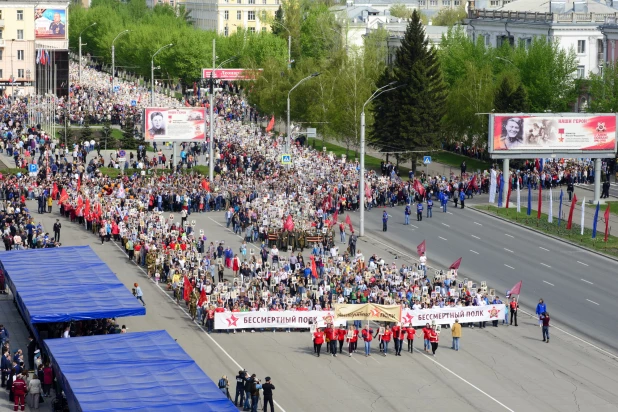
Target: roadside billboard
point(552, 133)
point(50, 23)
point(174, 124)
point(231, 74)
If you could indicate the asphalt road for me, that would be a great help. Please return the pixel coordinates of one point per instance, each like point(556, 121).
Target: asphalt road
point(578, 286)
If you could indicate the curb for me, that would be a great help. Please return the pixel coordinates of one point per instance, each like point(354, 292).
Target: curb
point(546, 234)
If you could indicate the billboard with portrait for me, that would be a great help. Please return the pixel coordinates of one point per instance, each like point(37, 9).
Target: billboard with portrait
point(550, 133)
point(50, 23)
point(174, 124)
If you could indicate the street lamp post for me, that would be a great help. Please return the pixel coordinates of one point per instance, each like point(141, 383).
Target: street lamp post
point(80, 51)
point(361, 187)
point(152, 98)
point(288, 130)
point(289, 43)
point(114, 57)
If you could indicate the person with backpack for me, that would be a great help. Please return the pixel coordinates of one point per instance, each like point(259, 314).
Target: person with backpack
point(223, 386)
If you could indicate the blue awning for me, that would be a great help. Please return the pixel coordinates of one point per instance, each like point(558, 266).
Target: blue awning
point(64, 284)
point(141, 371)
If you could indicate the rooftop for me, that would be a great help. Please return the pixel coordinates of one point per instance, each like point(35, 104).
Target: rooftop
point(557, 6)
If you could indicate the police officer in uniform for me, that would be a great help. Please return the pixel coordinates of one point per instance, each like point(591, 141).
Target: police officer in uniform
point(151, 259)
point(157, 125)
point(193, 305)
point(57, 27)
point(240, 388)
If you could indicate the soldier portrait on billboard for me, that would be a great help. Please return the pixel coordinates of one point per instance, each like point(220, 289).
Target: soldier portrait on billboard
point(512, 133)
point(57, 27)
point(157, 125)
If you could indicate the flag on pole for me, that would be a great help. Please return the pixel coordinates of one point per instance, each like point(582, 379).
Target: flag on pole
point(508, 195)
point(583, 215)
point(518, 197)
point(515, 290)
point(606, 216)
point(202, 298)
point(560, 207)
point(348, 221)
point(500, 186)
point(420, 249)
point(540, 206)
point(529, 211)
point(455, 264)
point(570, 221)
point(314, 270)
point(271, 124)
point(594, 222)
point(419, 188)
point(550, 215)
point(473, 183)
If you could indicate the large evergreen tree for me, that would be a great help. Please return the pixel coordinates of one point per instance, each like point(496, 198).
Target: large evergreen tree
point(510, 98)
point(417, 106)
point(128, 140)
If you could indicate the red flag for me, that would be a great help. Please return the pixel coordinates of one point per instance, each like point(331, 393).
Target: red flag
point(187, 289)
point(289, 224)
point(538, 213)
point(421, 248)
point(202, 298)
point(348, 221)
point(87, 206)
point(99, 209)
point(606, 215)
point(570, 221)
point(335, 217)
point(54, 192)
point(419, 187)
point(508, 194)
point(205, 185)
point(80, 203)
point(475, 186)
point(314, 269)
point(64, 196)
point(271, 124)
point(516, 289)
point(455, 264)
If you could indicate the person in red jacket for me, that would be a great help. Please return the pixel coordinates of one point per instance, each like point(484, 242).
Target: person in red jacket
point(318, 340)
point(386, 338)
point(426, 333)
point(367, 335)
point(354, 339)
point(410, 332)
point(349, 337)
point(341, 337)
point(19, 393)
point(398, 338)
point(331, 338)
point(433, 338)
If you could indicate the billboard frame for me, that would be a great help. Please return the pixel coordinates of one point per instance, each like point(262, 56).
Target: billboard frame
point(166, 137)
point(547, 153)
point(252, 74)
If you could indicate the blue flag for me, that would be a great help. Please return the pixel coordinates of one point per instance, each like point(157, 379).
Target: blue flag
point(529, 211)
point(560, 207)
point(594, 222)
point(500, 186)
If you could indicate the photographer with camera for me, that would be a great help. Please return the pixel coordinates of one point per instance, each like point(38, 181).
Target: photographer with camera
point(256, 385)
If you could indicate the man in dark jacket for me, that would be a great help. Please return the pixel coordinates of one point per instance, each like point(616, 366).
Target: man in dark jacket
point(240, 387)
point(5, 366)
point(268, 389)
point(32, 346)
point(248, 382)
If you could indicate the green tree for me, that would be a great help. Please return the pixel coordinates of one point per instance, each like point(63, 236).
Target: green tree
point(603, 90)
point(128, 140)
point(277, 26)
point(421, 97)
point(86, 132)
point(449, 17)
point(106, 133)
point(401, 11)
point(511, 97)
point(66, 134)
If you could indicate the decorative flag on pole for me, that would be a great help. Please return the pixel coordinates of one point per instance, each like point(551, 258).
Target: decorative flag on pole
point(64, 196)
point(473, 183)
point(314, 270)
point(419, 188)
point(515, 290)
point(550, 215)
point(271, 124)
point(348, 221)
point(421, 248)
point(529, 211)
point(583, 216)
point(500, 186)
point(540, 206)
point(560, 207)
point(202, 298)
point(570, 221)
point(508, 195)
point(594, 222)
point(518, 197)
point(606, 216)
point(455, 264)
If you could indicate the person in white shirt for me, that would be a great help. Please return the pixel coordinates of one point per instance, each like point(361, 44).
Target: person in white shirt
point(423, 262)
point(66, 333)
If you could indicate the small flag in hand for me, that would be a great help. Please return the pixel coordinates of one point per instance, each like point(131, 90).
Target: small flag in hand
point(421, 248)
point(515, 290)
point(455, 264)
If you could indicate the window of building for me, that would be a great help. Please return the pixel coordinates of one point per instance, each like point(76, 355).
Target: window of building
point(20, 14)
point(1, 51)
point(0, 34)
point(456, 2)
point(226, 32)
point(263, 1)
point(581, 72)
point(493, 3)
point(422, 2)
point(239, 1)
point(251, 15)
point(433, 2)
point(251, 1)
point(20, 73)
point(446, 2)
point(226, 15)
point(20, 54)
point(581, 46)
point(487, 40)
point(239, 15)
point(20, 34)
point(251, 29)
point(1, 75)
point(172, 3)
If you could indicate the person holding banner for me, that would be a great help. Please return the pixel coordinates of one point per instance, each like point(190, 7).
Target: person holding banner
point(350, 339)
point(433, 339)
point(367, 335)
point(386, 338)
point(341, 336)
point(398, 338)
point(426, 336)
point(514, 306)
point(318, 340)
point(331, 339)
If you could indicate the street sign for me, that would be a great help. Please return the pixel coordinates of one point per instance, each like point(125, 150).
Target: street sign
point(311, 132)
point(286, 159)
point(426, 159)
point(33, 168)
point(133, 103)
point(122, 153)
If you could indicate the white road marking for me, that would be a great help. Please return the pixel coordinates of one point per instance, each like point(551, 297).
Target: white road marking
point(389, 215)
point(371, 357)
point(587, 281)
point(547, 250)
point(189, 316)
point(509, 250)
point(450, 213)
point(354, 357)
point(476, 237)
point(592, 345)
point(506, 234)
point(441, 238)
point(445, 224)
point(477, 223)
point(413, 226)
point(551, 284)
point(582, 263)
point(545, 265)
point(473, 251)
point(509, 266)
point(467, 382)
point(592, 301)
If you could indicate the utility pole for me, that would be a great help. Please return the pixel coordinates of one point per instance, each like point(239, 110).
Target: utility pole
point(80, 51)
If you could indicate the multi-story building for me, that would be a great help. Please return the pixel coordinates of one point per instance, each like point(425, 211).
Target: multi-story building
point(26, 29)
point(228, 16)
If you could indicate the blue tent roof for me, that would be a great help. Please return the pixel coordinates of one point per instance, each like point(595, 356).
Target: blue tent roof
point(64, 284)
point(145, 371)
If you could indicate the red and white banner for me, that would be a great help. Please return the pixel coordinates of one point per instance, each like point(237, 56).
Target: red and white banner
point(275, 319)
point(232, 74)
point(447, 315)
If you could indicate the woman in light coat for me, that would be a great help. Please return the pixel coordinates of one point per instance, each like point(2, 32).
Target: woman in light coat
point(34, 391)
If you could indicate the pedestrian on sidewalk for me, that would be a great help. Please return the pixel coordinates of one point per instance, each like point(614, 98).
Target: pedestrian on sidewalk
point(384, 221)
point(513, 307)
point(540, 309)
point(456, 333)
point(462, 198)
point(545, 319)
